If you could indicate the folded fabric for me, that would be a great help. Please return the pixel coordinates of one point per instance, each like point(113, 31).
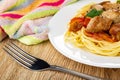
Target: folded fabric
point(7, 4)
point(27, 19)
point(19, 8)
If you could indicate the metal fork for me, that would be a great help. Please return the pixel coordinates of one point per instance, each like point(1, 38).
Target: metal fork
point(34, 63)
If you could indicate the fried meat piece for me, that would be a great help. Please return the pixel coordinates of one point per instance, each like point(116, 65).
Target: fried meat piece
point(112, 14)
point(99, 24)
point(107, 5)
point(76, 24)
point(115, 31)
point(97, 7)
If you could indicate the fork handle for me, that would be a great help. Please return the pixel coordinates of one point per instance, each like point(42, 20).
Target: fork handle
point(85, 76)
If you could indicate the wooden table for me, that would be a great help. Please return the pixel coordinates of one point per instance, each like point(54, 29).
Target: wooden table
point(11, 70)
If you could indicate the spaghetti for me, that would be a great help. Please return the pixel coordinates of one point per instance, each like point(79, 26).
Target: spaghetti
point(101, 47)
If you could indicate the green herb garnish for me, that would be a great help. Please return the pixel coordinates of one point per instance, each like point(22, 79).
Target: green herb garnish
point(94, 13)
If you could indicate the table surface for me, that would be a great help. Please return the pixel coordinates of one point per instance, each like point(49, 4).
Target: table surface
point(11, 70)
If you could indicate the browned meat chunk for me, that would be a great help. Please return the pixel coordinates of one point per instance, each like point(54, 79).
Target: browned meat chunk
point(75, 24)
point(99, 24)
point(97, 7)
point(108, 5)
point(104, 2)
point(112, 14)
point(115, 31)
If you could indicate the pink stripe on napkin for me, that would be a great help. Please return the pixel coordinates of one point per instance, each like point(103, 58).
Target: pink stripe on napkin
point(16, 16)
point(53, 3)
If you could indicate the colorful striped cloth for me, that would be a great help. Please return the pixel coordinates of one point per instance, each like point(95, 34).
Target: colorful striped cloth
point(26, 20)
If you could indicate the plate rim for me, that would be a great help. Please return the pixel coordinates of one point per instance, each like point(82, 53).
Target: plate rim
point(72, 58)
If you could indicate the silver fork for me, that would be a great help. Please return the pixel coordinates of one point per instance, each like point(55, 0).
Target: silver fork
point(34, 63)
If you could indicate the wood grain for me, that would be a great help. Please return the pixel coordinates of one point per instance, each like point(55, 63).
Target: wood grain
point(11, 70)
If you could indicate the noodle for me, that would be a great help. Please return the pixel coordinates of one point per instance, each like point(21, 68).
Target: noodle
point(100, 47)
point(105, 48)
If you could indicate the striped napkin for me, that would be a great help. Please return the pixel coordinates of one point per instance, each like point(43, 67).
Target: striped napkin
point(26, 20)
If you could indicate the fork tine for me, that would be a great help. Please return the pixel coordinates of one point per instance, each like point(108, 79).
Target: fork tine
point(17, 58)
point(22, 52)
point(18, 53)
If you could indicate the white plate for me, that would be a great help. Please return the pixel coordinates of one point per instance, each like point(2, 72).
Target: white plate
point(58, 26)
